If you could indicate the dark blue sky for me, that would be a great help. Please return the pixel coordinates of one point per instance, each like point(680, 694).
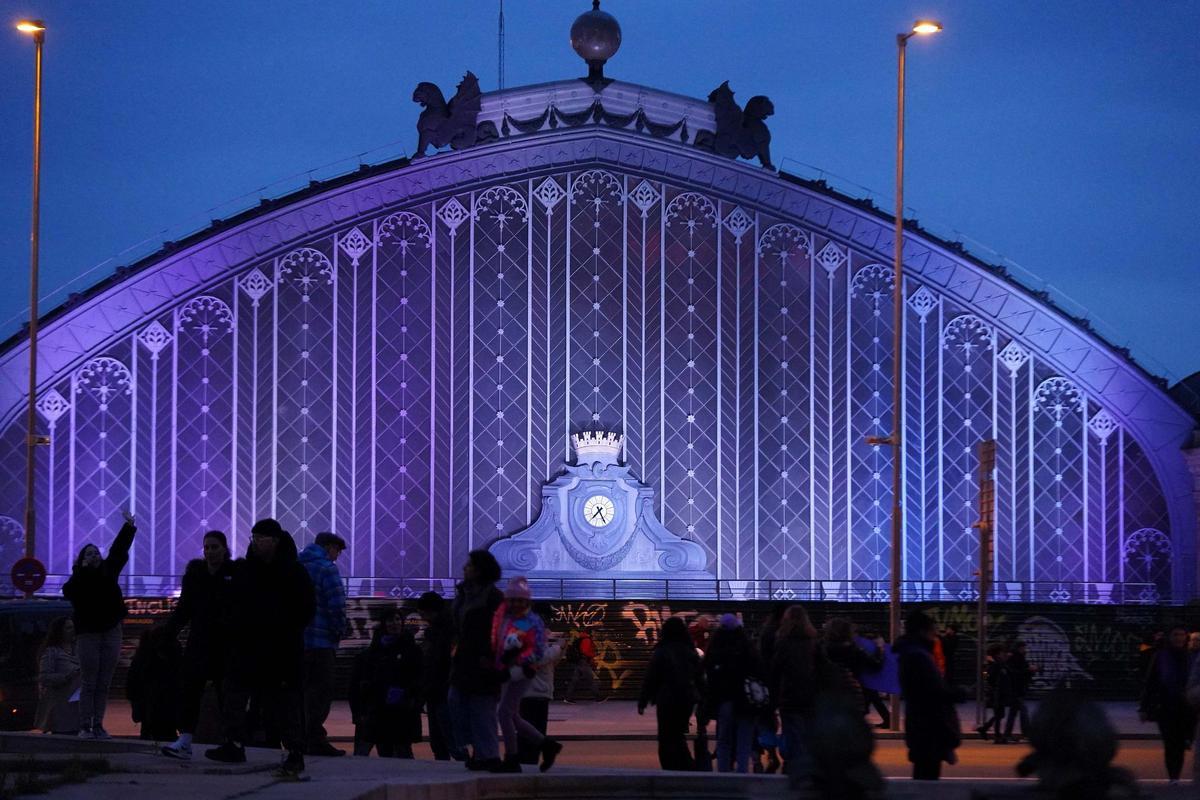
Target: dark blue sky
point(1064, 135)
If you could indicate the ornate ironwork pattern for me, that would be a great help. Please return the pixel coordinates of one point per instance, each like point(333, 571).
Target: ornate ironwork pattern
point(409, 377)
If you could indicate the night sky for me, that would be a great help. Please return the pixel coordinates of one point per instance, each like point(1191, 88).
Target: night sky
point(1064, 136)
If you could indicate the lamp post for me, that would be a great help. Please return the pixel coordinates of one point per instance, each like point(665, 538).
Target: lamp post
point(919, 28)
point(37, 29)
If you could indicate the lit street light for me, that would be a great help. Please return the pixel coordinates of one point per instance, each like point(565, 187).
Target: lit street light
point(919, 28)
point(37, 29)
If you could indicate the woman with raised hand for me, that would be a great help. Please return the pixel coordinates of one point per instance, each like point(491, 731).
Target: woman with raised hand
point(98, 607)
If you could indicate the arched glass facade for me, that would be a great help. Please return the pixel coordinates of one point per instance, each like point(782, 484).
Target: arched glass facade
point(406, 369)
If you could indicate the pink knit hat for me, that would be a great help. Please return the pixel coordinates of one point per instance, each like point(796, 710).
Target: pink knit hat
point(518, 587)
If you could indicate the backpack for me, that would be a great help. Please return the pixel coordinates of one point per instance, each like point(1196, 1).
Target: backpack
point(756, 694)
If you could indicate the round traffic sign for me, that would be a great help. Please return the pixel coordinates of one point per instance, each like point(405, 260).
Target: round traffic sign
point(28, 575)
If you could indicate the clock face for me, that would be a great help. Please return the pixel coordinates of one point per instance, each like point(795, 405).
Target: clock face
point(598, 510)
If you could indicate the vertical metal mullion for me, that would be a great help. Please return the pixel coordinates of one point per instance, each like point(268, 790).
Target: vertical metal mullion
point(567, 330)
point(1083, 433)
point(133, 395)
point(274, 390)
point(757, 394)
point(720, 401)
point(433, 411)
point(529, 352)
point(471, 377)
point(333, 375)
point(371, 566)
point(233, 422)
point(174, 441)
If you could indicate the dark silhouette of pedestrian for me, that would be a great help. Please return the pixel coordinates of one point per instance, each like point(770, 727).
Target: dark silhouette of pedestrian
point(98, 606)
point(1022, 672)
point(1164, 699)
point(581, 656)
point(673, 684)
point(793, 681)
point(766, 734)
point(385, 686)
point(841, 647)
point(58, 680)
point(729, 662)
point(274, 601)
point(1000, 691)
point(152, 684)
point(205, 608)
point(474, 677)
point(931, 729)
point(321, 638)
point(437, 645)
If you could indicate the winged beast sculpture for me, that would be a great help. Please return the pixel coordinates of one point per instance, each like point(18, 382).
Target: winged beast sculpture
point(740, 132)
point(454, 123)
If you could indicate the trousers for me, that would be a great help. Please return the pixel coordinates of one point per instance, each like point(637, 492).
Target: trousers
point(98, 654)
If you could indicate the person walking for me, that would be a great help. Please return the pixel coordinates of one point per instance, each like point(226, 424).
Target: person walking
point(274, 603)
point(205, 608)
point(581, 655)
point(437, 646)
point(1000, 690)
point(385, 698)
point(1164, 699)
point(519, 642)
point(474, 677)
point(793, 681)
point(1022, 672)
point(535, 705)
point(98, 607)
point(321, 639)
point(58, 680)
point(153, 686)
point(931, 729)
point(674, 683)
point(729, 662)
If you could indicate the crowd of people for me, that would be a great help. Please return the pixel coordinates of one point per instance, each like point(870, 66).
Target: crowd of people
point(264, 629)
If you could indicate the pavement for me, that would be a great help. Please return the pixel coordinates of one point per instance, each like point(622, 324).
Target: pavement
point(609, 755)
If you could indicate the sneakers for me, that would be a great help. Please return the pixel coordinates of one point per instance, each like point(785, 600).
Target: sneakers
point(325, 749)
point(229, 753)
point(550, 750)
point(85, 733)
point(98, 732)
point(178, 750)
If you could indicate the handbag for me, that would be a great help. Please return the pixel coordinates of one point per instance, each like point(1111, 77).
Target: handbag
point(756, 693)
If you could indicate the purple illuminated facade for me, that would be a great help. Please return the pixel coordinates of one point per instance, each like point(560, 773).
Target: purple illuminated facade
point(402, 357)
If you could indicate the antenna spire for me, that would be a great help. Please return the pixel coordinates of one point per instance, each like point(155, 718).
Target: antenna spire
point(500, 45)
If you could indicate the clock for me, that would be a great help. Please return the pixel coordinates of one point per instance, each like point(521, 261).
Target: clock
point(598, 510)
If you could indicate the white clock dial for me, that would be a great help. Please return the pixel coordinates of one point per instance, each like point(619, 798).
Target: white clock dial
point(598, 510)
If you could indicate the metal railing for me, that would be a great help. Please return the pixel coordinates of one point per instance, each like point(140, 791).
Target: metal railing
point(570, 588)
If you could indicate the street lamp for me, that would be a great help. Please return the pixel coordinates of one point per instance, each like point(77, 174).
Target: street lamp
point(37, 29)
point(919, 28)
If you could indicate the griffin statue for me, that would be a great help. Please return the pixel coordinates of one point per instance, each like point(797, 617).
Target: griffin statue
point(453, 123)
point(739, 133)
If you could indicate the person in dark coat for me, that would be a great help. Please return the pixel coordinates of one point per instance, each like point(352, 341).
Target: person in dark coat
point(205, 607)
point(474, 677)
point(793, 682)
point(767, 725)
point(152, 684)
point(1000, 690)
point(274, 601)
point(842, 649)
point(729, 660)
point(385, 691)
point(931, 729)
point(98, 606)
point(1164, 699)
point(1022, 676)
point(437, 646)
point(673, 684)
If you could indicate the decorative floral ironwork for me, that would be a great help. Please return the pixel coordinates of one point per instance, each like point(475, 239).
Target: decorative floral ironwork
point(355, 244)
point(154, 337)
point(502, 204)
point(1014, 357)
point(922, 301)
point(207, 315)
point(255, 284)
point(644, 196)
point(549, 193)
point(406, 229)
point(968, 334)
point(52, 405)
point(874, 282)
point(1058, 397)
point(308, 267)
point(104, 377)
point(599, 186)
point(738, 222)
point(831, 257)
point(694, 208)
point(783, 240)
point(1102, 425)
point(453, 213)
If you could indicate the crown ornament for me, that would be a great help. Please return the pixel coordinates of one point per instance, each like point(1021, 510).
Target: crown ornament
point(597, 446)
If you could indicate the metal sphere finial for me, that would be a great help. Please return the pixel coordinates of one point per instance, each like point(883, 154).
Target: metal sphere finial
point(596, 37)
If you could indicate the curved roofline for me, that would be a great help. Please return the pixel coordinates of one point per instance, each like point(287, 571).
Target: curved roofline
point(314, 188)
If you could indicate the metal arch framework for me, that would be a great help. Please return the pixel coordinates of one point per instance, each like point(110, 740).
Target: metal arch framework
point(405, 356)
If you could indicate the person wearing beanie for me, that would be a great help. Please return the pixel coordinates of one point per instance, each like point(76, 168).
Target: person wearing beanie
point(728, 662)
point(274, 602)
point(519, 641)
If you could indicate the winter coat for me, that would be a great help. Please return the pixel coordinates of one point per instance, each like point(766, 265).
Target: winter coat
point(95, 594)
point(206, 608)
point(542, 684)
point(932, 728)
point(385, 685)
point(437, 645)
point(273, 603)
point(1001, 685)
point(726, 666)
point(152, 684)
point(793, 677)
point(518, 641)
point(329, 622)
point(674, 678)
point(473, 667)
point(1166, 682)
point(1022, 675)
point(58, 680)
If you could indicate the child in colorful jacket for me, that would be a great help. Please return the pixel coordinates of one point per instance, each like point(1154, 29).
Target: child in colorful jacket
point(519, 641)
